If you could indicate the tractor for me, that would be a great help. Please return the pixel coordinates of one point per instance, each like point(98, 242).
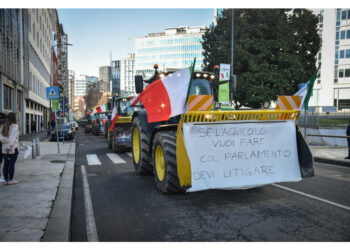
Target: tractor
point(216, 148)
point(119, 139)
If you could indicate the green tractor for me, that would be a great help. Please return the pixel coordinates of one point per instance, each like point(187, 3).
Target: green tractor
point(215, 148)
point(119, 139)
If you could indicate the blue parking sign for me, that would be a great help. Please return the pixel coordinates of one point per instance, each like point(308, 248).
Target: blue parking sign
point(52, 93)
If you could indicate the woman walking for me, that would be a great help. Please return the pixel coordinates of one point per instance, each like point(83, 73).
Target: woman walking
point(9, 136)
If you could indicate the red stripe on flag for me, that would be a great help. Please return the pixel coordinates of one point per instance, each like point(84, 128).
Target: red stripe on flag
point(156, 101)
point(98, 109)
point(113, 122)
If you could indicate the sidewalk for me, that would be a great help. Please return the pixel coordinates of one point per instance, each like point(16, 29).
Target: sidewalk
point(331, 155)
point(25, 208)
point(28, 137)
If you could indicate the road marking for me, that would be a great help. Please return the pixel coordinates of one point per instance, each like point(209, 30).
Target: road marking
point(129, 154)
point(313, 197)
point(89, 212)
point(115, 158)
point(93, 159)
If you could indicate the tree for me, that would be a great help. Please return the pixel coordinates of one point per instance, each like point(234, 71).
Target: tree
point(93, 95)
point(274, 51)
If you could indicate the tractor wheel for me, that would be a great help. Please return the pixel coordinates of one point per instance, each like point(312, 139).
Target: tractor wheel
point(165, 167)
point(140, 148)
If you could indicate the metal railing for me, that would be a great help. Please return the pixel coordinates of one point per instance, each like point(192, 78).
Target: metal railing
point(333, 136)
point(319, 120)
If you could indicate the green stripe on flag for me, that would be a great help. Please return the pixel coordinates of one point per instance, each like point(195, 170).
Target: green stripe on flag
point(190, 84)
point(310, 87)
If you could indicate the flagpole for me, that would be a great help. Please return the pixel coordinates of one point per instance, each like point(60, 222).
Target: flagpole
point(190, 84)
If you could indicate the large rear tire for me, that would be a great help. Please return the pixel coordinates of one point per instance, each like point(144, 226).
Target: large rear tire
point(140, 148)
point(165, 167)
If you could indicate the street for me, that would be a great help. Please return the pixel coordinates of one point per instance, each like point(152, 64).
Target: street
point(128, 207)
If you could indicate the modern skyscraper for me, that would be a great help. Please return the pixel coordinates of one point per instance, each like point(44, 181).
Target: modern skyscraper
point(332, 88)
point(174, 48)
point(127, 73)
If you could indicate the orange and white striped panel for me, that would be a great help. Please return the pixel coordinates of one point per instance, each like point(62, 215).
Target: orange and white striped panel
point(286, 102)
point(199, 102)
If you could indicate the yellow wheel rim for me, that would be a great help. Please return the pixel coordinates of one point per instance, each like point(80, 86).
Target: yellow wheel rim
point(136, 145)
point(159, 161)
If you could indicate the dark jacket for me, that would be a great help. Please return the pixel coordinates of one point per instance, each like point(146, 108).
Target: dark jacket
point(348, 133)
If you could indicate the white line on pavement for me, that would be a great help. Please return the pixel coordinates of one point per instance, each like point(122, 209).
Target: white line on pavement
point(313, 197)
point(93, 159)
point(129, 154)
point(89, 212)
point(115, 158)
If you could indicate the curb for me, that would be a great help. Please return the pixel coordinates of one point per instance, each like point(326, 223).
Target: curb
point(58, 228)
point(345, 163)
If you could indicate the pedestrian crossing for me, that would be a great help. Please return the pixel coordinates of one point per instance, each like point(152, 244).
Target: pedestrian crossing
point(93, 159)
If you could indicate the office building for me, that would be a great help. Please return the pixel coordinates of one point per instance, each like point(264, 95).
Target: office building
point(82, 82)
point(332, 87)
point(127, 73)
point(105, 77)
point(174, 48)
point(70, 88)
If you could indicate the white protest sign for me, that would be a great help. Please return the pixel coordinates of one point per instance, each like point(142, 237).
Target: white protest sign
point(241, 155)
point(224, 72)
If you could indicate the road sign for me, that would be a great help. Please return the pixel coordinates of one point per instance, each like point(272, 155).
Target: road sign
point(52, 93)
point(65, 102)
point(55, 104)
point(224, 72)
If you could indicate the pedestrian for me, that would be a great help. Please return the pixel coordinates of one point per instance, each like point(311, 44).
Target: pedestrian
point(9, 137)
point(2, 120)
point(348, 134)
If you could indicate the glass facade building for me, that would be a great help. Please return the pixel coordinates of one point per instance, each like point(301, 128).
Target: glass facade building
point(174, 48)
point(333, 82)
point(127, 73)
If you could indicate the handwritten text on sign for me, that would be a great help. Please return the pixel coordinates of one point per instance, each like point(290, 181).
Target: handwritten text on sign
point(242, 155)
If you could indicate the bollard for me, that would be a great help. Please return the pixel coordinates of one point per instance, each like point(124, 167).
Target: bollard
point(33, 148)
point(37, 147)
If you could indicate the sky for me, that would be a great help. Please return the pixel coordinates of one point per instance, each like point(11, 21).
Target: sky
point(96, 32)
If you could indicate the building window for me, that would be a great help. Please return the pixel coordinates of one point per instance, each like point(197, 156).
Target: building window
point(342, 34)
point(7, 97)
point(348, 34)
point(348, 14)
point(347, 55)
point(347, 73)
point(343, 15)
point(342, 54)
point(341, 73)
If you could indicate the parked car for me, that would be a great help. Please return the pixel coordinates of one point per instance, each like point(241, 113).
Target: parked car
point(66, 131)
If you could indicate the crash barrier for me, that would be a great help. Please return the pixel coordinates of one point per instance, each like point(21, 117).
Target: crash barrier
point(239, 115)
point(320, 120)
point(333, 136)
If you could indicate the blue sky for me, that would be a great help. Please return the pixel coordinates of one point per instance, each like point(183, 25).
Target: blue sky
point(93, 32)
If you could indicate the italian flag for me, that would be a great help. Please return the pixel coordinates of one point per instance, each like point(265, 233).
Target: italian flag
point(165, 98)
point(102, 108)
point(306, 91)
point(114, 118)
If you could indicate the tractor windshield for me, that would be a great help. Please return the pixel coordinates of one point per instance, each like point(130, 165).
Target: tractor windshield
point(200, 87)
point(125, 108)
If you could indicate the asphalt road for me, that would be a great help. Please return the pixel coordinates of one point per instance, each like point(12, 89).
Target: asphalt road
point(128, 207)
